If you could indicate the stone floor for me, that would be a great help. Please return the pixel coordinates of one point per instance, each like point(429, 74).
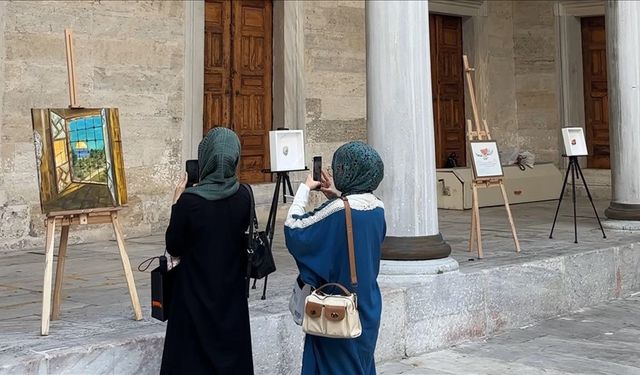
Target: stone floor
point(96, 310)
point(600, 340)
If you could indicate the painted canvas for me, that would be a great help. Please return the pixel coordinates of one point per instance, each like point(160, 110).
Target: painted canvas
point(486, 159)
point(79, 158)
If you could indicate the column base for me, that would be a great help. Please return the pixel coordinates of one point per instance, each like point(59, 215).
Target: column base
point(415, 248)
point(621, 225)
point(623, 211)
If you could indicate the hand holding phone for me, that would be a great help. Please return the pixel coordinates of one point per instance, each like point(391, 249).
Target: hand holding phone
point(317, 168)
point(193, 172)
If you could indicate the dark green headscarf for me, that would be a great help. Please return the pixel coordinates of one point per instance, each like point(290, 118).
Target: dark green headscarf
point(218, 156)
point(357, 168)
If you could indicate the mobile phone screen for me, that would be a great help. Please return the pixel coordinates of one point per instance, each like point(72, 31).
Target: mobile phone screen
point(193, 172)
point(317, 168)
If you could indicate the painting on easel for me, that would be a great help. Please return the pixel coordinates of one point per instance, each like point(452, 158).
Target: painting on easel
point(79, 158)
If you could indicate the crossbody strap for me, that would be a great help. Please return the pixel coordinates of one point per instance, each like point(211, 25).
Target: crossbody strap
point(352, 253)
point(252, 217)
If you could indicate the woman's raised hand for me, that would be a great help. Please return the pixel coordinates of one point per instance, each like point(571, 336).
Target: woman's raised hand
point(182, 184)
point(311, 184)
point(328, 187)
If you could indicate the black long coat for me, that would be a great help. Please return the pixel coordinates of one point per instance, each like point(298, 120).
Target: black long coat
point(208, 329)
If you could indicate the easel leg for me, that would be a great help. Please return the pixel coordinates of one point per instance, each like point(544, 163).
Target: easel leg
point(573, 188)
point(48, 275)
point(271, 221)
point(57, 289)
point(564, 186)
point(472, 233)
point(513, 227)
point(288, 179)
point(476, 208)
point(133, 292)
point(591, 200)
point(285, 177)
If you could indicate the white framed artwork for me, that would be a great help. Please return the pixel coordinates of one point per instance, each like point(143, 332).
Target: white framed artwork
point(486, 159)
point(287, 150)
point(574, 142)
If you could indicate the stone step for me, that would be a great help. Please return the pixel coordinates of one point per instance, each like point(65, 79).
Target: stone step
point(430, 313)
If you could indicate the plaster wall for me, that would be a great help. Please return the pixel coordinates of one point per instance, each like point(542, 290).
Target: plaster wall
point(128, 55)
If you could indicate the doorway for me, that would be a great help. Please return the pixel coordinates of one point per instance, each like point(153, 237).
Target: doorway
point(596, 101)
point(237, 78)
point(447, 80)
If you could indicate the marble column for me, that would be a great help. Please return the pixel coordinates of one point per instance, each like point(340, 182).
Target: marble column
point(400, 127)
point(623, 59)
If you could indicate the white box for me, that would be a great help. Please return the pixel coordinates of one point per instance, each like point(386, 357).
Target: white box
point(287, 150)
point(574, 142)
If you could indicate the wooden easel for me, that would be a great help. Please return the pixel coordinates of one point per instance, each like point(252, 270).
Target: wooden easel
point(77, 217)
point(480, 131)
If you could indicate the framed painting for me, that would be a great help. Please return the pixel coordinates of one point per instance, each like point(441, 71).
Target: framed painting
point(574, 142)
point(79, 158)
point(486, 159)
point(287, 150)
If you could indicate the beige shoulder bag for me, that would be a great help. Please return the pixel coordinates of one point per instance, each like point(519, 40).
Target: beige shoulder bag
point(335, 315)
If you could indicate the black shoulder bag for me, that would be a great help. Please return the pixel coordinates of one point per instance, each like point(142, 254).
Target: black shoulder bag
point(260, 263)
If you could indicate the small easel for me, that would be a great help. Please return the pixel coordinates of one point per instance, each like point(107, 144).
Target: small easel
point(476, 131)
point(77, 217)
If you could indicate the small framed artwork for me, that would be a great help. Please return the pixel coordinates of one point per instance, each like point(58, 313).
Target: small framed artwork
point(574, 142)
point(486, 159)
point(287, 150)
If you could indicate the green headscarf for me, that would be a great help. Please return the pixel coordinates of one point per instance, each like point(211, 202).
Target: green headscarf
point(357, 168)
point(218, 156)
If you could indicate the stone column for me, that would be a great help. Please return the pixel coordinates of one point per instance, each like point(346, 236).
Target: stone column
point(400, 127)
point(623, 59)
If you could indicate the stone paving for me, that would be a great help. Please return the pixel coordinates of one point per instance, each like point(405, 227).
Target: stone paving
point(96, 311)
point(600, 340)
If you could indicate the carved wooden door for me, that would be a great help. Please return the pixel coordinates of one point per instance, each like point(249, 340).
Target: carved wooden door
point(596, 100)
point(238, 64)
point(448, 88)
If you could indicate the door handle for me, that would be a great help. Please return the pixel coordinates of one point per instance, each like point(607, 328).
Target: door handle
point(237, 93)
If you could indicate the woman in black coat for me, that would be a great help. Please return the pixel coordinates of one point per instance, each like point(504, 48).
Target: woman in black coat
point(208, 330)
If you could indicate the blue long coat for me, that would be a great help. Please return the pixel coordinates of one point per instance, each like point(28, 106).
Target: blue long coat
point(318, 242)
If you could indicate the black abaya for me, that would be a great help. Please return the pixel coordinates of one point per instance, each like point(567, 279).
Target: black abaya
point(208, 330)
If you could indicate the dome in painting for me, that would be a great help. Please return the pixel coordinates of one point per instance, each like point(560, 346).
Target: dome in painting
point(80, 145)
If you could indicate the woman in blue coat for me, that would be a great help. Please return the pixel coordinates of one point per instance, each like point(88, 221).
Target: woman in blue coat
point(318, 242)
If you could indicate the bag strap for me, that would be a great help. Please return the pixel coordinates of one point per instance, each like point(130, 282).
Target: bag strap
point(342, 289)
point(252, 218)
point(352, 253)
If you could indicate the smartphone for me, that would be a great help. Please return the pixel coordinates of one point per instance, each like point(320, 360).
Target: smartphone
point(193, 172)
point(317, 168)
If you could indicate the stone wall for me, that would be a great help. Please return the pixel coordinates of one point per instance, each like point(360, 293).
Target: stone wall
point(513, 48)
point(335, 75)
point(128, 55)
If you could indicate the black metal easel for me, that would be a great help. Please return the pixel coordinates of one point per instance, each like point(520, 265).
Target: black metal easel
point(281, 178)
point(574, 168)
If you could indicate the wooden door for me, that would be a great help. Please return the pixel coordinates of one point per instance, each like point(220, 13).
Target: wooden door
point(252, 85)
point(238, 64)
point(596, 100)
point(217, 64)
point(447, 81)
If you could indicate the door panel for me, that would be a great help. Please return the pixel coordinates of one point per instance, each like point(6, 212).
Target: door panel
point(252, 85)
point(596, 100)
point(217, 63)
point(238, 63)
point(448, 88)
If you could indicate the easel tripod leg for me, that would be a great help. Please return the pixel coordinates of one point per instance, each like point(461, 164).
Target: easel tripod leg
point(591, 200)
point(48, 275)
point(477, 222)
point(131, 284)
point(57, 289)
point(573, 189)
point(564, 186)
point(472, 233)
point(513, 226)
